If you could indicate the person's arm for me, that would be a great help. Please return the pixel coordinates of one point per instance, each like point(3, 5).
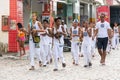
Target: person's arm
point(66, 29)
point(49, 32)
point(70, 33)
point(17, 38)
point(80, 33)
point(119, 29)
point(109, 30)
point(52, 33)
point(40, 30)
point(96, 32)
point(89, 32)
point(63, 31)
point(29, 29)
point(25, 31)
point(40, 26)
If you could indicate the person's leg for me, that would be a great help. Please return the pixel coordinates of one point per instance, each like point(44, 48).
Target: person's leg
point(20, 47)
point(105, 41)
point(76, 54)
point(99, 46)
point(55, 54)
point(73, 51)
point(50, 53)
point(81, 55)
point(85, 55)
point(113, 42)
point(38, 53)
point(60, 53)
point(47, 53)
point(93, 48)
point(23, 48)
point(117, 42)
point(89, 55)
point(44, 55)
point(108, 48)
point(32, 53)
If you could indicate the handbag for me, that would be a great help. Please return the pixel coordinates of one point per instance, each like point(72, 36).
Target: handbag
point(36, 39)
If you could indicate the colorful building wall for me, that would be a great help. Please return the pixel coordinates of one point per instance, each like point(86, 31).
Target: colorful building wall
point(4, 10)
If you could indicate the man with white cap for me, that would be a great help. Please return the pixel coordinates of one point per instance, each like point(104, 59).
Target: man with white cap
point(75, 36)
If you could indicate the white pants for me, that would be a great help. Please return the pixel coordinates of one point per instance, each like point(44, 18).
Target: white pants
point(93, 43)
point(87, 53)
point(82, 49)
point(75, 51)
point(44, 52)
point(58, 53)
point(34, 51)
point(115, 42)
point(108, 47)
point(49, 56)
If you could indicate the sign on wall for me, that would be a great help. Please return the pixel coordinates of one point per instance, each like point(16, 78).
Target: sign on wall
point(105, 10)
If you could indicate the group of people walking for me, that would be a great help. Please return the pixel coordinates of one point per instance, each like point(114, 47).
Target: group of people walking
point(48, 42)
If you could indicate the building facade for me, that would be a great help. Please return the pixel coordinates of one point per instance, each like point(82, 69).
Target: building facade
point(14, 11)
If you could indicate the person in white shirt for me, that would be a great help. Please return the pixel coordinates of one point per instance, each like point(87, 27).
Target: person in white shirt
point(115, 41)
point(34, 27)
point(65, 27)
point(93, 42)
point(45, 43)
point(58, 43)
point(86, 44)
point(102, 32)
point(75, 36)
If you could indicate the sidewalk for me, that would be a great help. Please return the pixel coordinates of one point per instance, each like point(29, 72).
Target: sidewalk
point(16, 69)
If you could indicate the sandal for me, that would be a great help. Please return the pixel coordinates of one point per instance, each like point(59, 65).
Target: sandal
point(40, 63)
point(32, 68)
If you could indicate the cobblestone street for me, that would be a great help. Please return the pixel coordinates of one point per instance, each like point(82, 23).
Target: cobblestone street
point(12, 68)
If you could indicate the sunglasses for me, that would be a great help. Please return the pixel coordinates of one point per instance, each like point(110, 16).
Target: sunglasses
point(102, 16)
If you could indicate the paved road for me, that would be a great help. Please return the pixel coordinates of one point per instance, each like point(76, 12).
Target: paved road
point(15, 69)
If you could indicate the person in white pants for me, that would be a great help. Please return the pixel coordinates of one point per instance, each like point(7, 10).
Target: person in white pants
point(109, 45)
point(87, 45)
point(45, 42)
point(115, 42)
point(50, 51)
point(75, 35)
point(93, 42)
point(33, 28)
point(58, 43)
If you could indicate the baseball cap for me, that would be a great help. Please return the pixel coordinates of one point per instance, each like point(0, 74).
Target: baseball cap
point(75, 21)
point(62, 20)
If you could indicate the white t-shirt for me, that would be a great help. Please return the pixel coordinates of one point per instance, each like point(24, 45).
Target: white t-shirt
point(65, 27)
point(75, 31)
point(86, 38)
point(116, 31)
point(57, 41)
point(102, 29)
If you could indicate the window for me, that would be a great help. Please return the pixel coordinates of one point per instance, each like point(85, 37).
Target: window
point(5, 23)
